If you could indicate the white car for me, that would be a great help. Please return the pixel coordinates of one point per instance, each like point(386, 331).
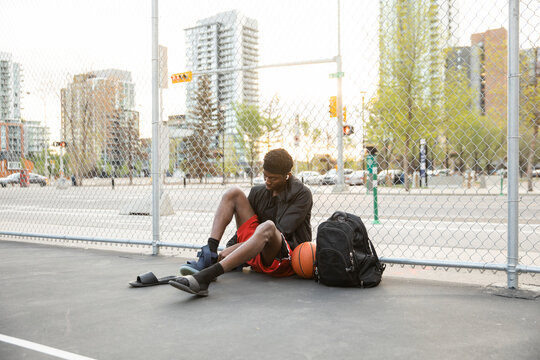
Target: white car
point(259, 181)
point(310, 177)
point(330, 178)
point(356, 178)
point(10, 179)
point(395, 176)
point(38, 179)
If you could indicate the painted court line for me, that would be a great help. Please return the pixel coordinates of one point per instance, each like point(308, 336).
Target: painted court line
point(42, 348)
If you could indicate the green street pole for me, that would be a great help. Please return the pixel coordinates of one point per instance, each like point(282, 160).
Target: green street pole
point(372, 170)
point(502, 176)
point(375, 202)
point(369, 163)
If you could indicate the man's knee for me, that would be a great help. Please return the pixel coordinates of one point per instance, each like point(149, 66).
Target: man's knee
point(234, 193)
point(266, 230)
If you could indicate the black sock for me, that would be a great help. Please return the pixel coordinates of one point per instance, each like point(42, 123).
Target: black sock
point(213, 244)
point(210, 273)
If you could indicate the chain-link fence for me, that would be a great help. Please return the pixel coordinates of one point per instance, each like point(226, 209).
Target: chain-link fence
point(394, 110)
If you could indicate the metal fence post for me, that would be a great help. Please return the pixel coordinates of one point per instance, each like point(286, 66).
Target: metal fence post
point(513, 143)
point(340, 185)
point(155, 129)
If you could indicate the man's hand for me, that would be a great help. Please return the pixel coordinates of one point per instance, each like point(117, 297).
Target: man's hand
point(222, 255)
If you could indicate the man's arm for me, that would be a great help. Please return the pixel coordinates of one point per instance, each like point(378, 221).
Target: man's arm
point(223, 254)
point(295, 214)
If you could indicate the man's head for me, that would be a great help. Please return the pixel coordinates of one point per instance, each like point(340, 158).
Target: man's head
point(277, 167)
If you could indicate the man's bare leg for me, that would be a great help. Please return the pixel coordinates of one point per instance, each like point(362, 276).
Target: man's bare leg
point(266, 240)
point(233, 203)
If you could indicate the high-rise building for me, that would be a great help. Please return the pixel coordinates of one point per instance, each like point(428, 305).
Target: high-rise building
point(488, 73)
point(220, 45)
point(98, 118)
point(10, 89)
point(399, 46)
point(36, 137)
point(11, 129)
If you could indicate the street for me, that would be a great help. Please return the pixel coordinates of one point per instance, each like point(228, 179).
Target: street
point(421, 225)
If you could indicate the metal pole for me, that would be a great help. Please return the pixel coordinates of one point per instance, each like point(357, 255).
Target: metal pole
point(155, 129)
point(375, 200)
point(61, 161)
point(340, 184)
point(267, 66)
point(513, 143)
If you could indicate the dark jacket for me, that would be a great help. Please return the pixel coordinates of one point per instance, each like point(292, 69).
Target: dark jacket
point(290, 210)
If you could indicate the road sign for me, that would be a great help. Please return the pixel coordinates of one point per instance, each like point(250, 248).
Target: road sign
point(333, 106)
point(14, 165)
point(336, 75)
point(182, 77)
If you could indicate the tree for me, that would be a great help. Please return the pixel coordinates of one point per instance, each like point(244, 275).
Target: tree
point(128, 140)
point(271, 121)
point(199, 160)
point(86, 108)
point(530, 109)
point(251, 126)
point(324, 163)
point(408, 97)
point(466, 133)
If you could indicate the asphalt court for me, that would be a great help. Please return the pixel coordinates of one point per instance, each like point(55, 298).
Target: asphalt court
point(78, 302)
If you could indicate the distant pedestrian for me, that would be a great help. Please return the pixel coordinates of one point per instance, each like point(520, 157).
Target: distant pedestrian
point(112, 182)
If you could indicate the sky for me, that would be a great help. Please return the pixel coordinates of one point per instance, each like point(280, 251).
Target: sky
point(56, 39)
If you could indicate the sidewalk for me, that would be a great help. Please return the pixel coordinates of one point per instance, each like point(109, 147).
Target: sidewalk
point(78, 301)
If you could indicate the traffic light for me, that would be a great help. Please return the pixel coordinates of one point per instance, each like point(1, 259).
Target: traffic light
point(333, 106)
point(344, 114)
point(182, 77)
point(348, 130)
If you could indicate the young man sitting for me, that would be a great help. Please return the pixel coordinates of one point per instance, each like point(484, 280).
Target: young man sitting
point(271, 222)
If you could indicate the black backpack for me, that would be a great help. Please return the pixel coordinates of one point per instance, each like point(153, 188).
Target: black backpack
point(345, 256)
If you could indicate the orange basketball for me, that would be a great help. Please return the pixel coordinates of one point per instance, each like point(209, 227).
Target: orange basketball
point(303, 260)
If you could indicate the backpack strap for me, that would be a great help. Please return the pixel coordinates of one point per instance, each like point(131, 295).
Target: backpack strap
point(381, 265)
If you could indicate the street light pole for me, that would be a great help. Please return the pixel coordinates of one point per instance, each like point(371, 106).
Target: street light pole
point(340, 183)
point(363, 130)
point(221, 119)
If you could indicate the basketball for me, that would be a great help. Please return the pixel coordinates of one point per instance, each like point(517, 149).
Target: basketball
point(303, 260)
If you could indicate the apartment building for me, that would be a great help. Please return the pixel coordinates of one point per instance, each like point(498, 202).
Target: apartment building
point(99, 122)
point(11, 128)
point(219, 46)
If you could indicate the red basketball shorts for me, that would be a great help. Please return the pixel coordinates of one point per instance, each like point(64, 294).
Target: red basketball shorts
point(281, 266)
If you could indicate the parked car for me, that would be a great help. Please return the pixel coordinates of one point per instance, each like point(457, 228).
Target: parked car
point(330, 178)
point(38, 179)
point(310, 177)
point(259, 181)
point(10, 179)
point(356, 178)
point(396, 176)
point(438, 172)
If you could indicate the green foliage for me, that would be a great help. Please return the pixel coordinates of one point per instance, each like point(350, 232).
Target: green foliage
point(251, 126)
point(198, 147)
point(529, 113)
point(323, 163)
point(406, 106)
point(465, 133)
